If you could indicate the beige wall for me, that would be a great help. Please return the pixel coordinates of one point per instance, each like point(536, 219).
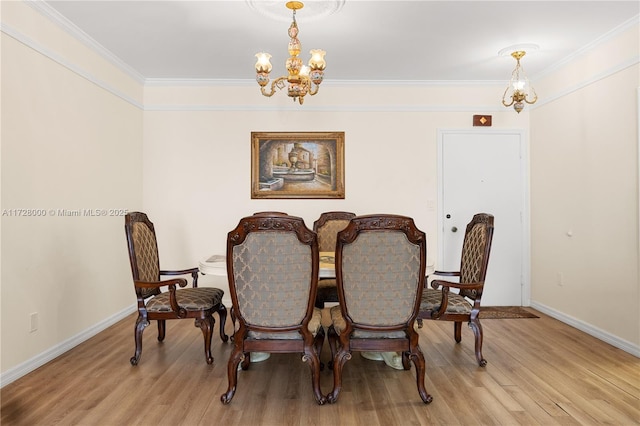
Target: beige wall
point(69, 143)
point(66, 144)
point(584, 191)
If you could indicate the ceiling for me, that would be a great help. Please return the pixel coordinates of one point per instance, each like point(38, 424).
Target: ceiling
point(364, 40)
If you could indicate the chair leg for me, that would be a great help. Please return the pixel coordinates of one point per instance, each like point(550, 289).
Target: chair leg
point(232, 373)
point(332, 337)
point(162, 329)
point(477, 331)
point(222, 314)
point(233, 322)
point(457, 331)
point(141, 324)
point(418, 360)
point(318, 341)
point(341, 357)
point(405, 360)
point(206, 325)
point(312, 357)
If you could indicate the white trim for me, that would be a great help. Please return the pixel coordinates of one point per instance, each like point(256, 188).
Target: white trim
point(221, 82)
point(39, 360)
point(330, 108)
point(525, 296)
point(585, 83)
point(589, 329)
point(605, 37)
point(27, 41)
point(74, 31)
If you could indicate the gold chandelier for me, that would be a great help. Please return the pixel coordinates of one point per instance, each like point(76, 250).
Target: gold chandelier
point(302, 79)
point(519, 88)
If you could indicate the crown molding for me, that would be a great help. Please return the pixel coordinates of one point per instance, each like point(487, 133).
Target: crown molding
point(216, 82)
point(54, 56)
point(603, 38)
point(70, 28)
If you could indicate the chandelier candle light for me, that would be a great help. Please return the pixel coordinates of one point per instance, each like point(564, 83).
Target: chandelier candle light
point(519, 89)
point(302, 79)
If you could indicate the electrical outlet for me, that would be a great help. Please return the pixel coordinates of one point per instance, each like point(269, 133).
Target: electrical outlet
point(34, 322)
point(560, 279)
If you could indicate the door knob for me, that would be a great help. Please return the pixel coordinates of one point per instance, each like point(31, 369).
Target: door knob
point(454, 229)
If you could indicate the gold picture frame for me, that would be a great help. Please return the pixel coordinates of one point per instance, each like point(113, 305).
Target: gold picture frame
point(297, 165)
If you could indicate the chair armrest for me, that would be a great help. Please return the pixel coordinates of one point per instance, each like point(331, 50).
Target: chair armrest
point(445, 297)
point(435, 284)
point(191, 271)
point(442, 273)
point(446, 286)
point(157, 284)
point(181, 312)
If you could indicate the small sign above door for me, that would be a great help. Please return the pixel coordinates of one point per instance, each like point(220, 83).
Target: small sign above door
point(482, 120)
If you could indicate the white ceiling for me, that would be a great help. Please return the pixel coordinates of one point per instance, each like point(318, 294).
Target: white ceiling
point(364, 40)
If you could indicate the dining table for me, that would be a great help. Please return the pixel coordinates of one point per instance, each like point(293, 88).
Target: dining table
point(327, 265)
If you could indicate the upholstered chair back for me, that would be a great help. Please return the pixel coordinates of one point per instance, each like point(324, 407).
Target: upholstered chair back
point(475, 255)
point(380, 277)
point(327, 234)
point(272, 272)
point(328, 226)
point(146, 265)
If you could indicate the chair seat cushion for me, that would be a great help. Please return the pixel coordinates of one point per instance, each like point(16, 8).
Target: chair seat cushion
point(313, 326)
point(191, 299)
point(432, 299)
point(339, 324)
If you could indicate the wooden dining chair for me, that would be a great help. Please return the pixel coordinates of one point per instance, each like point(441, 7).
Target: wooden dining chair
point(327, 227)
point(199, 303)
point(272, 267)
point(380, 274)
point(463, 304)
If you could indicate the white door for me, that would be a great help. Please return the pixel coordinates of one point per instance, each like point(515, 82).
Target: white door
point(485, 172)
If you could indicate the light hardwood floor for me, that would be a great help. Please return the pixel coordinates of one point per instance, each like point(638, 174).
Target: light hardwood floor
point(539, 372)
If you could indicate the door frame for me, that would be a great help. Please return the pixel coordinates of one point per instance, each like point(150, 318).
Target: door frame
point(526, 225)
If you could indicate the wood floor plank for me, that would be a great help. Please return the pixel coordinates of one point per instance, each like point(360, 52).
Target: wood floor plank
point(540, 372)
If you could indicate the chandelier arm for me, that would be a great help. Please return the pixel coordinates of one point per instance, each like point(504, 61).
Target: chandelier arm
point(503, 96)
point(313, 88)
point(535, 98)
point(275, 85)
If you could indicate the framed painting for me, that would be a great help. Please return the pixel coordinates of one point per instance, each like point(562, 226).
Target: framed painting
point(297, 164)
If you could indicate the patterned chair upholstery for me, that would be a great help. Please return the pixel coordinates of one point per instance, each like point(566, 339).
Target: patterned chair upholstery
point(327, 227)
point(439, 303)
point(196, 302)
point(380, 267)
point(272, 264)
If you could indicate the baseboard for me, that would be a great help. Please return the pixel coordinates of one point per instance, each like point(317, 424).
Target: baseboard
point(589, 329)
point(28, 366)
